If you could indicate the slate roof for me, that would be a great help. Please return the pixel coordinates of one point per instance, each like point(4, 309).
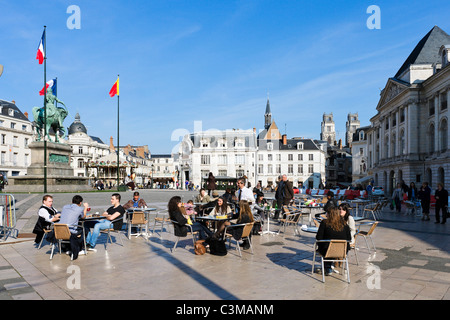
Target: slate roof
point(308, 144)
point(9, 105)
point(427, 50)
point(97, 139)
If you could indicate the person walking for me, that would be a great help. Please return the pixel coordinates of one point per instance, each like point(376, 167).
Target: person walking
point(424, 195)
point(441, 196)
point(397, 195)
point(211, 183)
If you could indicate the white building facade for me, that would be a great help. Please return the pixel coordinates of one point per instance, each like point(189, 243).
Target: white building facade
point(16, 132)
point(85, 149)
point(409, 138)
point(227, 153)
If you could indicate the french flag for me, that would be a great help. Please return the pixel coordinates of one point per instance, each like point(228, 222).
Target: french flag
point(41, 50)
point(49, 84)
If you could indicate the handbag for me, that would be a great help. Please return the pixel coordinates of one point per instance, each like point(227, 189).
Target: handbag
point(199, 248)
point(217, 247)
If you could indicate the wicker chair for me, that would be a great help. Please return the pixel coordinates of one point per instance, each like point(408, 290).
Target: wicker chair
point(190, 232)
point(62, 235)
point(336, 252)
point(368, 233)
point(246, 235)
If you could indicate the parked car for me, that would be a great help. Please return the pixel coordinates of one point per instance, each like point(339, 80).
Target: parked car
point(378, 191)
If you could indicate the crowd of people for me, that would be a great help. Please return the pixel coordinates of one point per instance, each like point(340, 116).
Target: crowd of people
point(423, 193)
point(242, 205)
point(72, 214)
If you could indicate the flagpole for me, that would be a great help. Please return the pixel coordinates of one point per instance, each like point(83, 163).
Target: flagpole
point(45, 110)
point(118, 144)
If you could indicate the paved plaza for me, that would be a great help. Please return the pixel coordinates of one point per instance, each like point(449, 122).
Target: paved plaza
point(411, 262)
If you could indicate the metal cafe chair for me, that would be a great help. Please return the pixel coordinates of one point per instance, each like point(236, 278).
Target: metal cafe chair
point(291, 219)
point(62, 234)
point(246, 235)
point(190, 232)
point(336, 252)
point(161, 218)
point(368, 233)
point(112, 230)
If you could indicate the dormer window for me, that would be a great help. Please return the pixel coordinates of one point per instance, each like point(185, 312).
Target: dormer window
point(444, 53)
point(11, 112)
point(270, 146)
point(300, 146)
point(204, 143)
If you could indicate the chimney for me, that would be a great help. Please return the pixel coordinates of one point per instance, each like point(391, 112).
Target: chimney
point(111, 145)
point(284, 139)
point(26, 114)
point(14, 101)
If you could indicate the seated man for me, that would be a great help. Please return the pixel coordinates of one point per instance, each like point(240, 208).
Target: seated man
point(70, 215)
point(114, 212)
point(331, 203)
point(136, 202)
point(202, 197)
point(47, 216)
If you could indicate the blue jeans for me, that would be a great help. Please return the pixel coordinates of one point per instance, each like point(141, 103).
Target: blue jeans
point(204, 232)
point(92, 237)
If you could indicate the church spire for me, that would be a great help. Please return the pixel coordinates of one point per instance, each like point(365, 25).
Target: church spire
point(268, 114)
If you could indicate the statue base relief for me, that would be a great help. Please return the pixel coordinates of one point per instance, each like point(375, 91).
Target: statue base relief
point(60, 175)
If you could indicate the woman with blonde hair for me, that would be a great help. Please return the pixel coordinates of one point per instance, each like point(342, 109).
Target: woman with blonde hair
point(332, 228)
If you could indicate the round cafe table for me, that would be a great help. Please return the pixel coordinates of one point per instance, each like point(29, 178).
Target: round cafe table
point(146, 211)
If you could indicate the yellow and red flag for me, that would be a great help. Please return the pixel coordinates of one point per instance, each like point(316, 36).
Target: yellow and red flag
point(115, 89)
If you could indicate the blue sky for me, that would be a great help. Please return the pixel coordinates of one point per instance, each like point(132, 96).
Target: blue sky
point(211, 61)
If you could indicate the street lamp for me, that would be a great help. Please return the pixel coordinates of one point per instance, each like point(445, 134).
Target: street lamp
point(151, 180)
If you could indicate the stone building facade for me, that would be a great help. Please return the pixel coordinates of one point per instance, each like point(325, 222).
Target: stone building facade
point(408, 138)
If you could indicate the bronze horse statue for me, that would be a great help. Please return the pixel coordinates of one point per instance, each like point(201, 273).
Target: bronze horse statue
point(55, 117)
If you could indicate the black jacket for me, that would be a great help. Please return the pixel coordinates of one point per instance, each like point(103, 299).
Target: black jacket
point(180, 228)
point(443, 198)
point(326, 233)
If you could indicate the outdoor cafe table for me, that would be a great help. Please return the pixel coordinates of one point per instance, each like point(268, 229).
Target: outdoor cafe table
point(87, 219)
point(146, 211)
point(302, 206)
point(267, 212)
point(311, 229)
point(214, 219)
point(314, 229)
point(358, 202)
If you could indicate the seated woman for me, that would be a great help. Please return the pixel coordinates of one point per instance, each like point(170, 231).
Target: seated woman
point(344, 211)
point(332, 228)
point(259, 206)
point(221, 208)
point(245, 216)
point(180, 227)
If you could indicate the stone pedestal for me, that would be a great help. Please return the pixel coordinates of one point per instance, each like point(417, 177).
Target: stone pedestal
point(60, 175)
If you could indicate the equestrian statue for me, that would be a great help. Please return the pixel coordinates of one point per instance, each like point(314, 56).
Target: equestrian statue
point(55, 117)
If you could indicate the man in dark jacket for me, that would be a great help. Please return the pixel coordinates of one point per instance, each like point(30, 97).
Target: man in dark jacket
point(424, 196)
point(441, 196)
point(288, 191)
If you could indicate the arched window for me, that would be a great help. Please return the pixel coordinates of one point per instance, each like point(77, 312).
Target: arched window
point(386, 147)
point(443, 135)
point(441, 175)
point(402, 142)
point(428, 177)
point(431, 138)
point(393, 146)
